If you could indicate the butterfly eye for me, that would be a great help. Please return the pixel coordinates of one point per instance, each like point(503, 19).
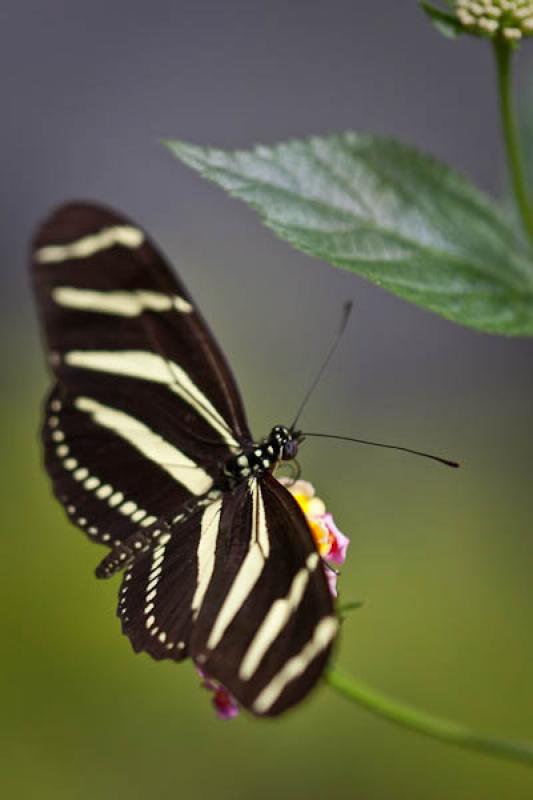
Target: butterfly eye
point(290, 450)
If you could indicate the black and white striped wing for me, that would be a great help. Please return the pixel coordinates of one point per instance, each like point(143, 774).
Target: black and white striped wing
point(145, 407)
point(253, 609)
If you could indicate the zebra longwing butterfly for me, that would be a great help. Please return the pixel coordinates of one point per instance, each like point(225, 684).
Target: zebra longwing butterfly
point(148, 448)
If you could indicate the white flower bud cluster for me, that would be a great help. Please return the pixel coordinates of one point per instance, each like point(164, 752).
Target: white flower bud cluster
point(511, 19)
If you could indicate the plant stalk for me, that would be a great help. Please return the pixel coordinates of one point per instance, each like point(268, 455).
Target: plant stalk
point(504, 63)
point(435, 727)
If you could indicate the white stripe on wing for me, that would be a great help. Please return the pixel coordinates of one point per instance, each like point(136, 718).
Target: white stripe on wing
point(121, 303)
point(250, 569)
point(149, 366)
point(323, 635)
point(206, 553)
point(125, 235)
point(149, 443)
point(277, 617)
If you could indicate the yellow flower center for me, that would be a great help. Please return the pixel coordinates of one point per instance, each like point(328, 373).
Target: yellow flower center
point(314, 510)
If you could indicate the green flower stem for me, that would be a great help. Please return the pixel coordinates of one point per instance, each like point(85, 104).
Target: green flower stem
point(504, 56)
point(435, 727)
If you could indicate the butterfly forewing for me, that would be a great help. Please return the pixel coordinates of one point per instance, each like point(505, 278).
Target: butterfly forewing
point(267, 625)
point(145, 403)
point(254, 610)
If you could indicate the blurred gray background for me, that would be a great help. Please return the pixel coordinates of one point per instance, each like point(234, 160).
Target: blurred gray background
point(442, 560)
point(90, 88)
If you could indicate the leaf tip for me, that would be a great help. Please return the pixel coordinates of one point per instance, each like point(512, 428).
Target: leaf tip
point(447, 24)
point(185, 151)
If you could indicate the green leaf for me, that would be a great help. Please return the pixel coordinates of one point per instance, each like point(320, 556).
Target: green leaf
point(447, 24)
point(390, 214)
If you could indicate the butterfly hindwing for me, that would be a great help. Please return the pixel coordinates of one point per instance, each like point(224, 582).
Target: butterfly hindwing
point(145, 402)
point(110, 503)
point(155, 605)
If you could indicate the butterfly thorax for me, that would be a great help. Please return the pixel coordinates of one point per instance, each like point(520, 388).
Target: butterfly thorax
point(280, 445)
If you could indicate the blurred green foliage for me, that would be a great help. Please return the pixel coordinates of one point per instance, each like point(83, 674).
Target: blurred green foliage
point(441, 560)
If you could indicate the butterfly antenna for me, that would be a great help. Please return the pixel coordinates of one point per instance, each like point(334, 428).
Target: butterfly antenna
point(346, 311)
point(439, 459)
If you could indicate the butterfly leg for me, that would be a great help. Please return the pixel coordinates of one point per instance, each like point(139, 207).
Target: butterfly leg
point(294, 469)
point(124, 553)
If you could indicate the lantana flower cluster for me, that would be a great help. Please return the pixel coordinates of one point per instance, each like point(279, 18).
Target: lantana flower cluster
point(331, 545)
point(511, 19)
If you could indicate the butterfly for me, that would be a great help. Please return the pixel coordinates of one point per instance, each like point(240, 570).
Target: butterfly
point(148, 449)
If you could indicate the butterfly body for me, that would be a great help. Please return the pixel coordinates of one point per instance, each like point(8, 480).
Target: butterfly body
point(260, 458)
point(254, 461)
point(148, 449)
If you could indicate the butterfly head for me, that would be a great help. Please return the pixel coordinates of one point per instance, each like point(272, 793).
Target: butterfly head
point(285, 441)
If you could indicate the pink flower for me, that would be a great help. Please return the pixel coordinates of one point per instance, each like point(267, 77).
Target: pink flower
point(225, 705)
point(340, 541)
point(331, 543)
